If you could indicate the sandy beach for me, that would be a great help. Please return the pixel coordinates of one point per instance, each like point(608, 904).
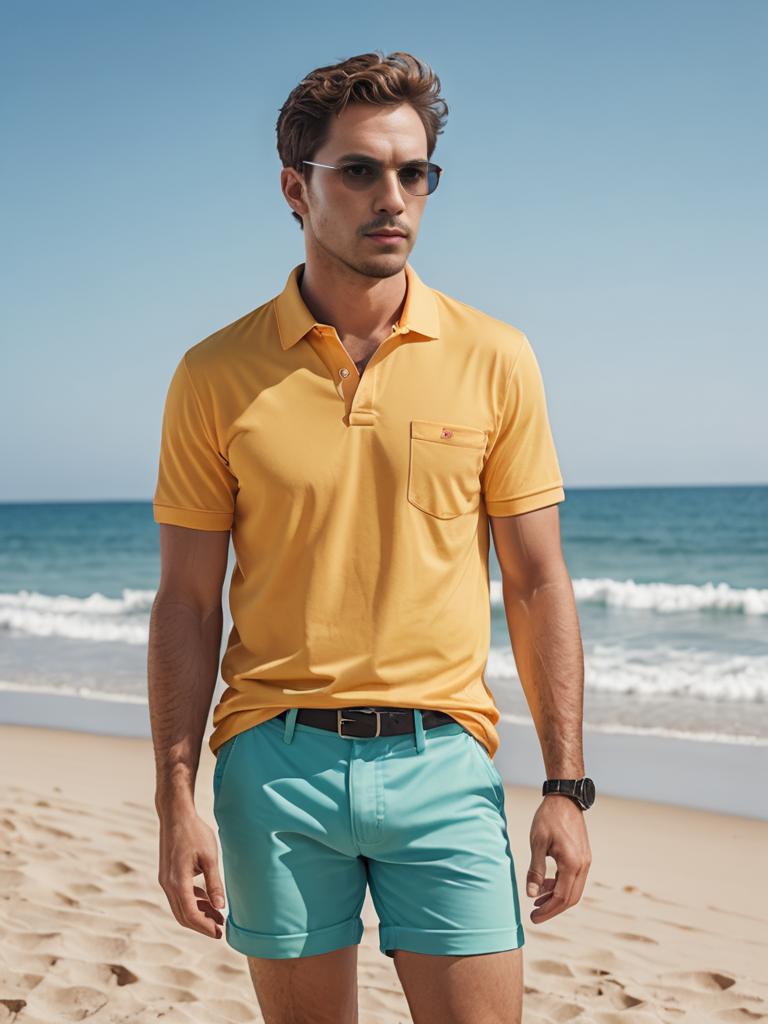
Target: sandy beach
point(672, 926)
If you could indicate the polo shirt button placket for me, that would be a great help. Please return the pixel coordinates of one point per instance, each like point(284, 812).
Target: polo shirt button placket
point(343, 373)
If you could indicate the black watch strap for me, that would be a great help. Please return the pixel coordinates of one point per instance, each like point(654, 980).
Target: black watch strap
point(580, 790)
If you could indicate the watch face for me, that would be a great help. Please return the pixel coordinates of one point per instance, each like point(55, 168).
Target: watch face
point(588, 792)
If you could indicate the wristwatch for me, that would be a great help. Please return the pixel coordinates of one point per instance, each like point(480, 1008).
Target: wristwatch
point(580, 790)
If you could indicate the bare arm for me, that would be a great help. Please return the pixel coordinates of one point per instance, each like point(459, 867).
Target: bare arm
point(544, 631)
point(182, 667)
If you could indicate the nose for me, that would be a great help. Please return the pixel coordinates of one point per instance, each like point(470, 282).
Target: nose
point(389, 193)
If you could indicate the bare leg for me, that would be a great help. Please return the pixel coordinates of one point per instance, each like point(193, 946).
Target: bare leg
point(319, 989)
point(482, 989)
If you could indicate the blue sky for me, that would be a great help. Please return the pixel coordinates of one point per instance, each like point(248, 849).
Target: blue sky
point(603, 191)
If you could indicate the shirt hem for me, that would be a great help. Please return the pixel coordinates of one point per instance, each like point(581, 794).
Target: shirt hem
point(525, 502)
point(196, 519)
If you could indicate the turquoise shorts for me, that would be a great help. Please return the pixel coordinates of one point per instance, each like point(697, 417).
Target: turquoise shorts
point(307, 819)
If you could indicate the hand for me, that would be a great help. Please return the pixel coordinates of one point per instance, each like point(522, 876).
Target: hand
point(558, 831)
point(188, 848)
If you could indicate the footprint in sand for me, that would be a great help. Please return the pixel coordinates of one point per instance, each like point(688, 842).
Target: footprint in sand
point(610, 993)
point(115, 868)
point(94, 946)
point(85, 888)
point(168, 974)
point(152, 952)
point(228, 971)
point(20, 981)
point(28, 962)
point(636, 937)
point(564, 1012)
point(123, 975)
point(552, 967)
point(132, 905)
point(627, 1001)
point(72, 1002)
point(701, 981)
point(66, 899)
point(152, 993)
point(30, 940)
point(13, 1005)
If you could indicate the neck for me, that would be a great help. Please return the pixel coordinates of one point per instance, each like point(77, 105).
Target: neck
point(355, 304)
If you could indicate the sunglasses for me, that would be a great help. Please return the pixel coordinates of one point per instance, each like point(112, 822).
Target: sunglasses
point(419, 177)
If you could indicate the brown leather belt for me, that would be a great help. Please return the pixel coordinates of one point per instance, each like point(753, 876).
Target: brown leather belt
point(368, 722)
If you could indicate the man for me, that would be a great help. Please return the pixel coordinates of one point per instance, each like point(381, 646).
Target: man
point(356, 434)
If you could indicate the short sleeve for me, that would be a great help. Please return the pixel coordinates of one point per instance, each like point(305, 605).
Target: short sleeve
point(195, 487)
point(522, 472)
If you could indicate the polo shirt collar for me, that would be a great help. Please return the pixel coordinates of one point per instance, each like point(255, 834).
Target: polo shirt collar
point(420, 315)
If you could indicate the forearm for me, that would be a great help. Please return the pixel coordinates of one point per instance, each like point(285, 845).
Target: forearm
point(544, 632)
point(182, 669)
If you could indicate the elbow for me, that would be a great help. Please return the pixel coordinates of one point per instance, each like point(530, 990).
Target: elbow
point(529, 581)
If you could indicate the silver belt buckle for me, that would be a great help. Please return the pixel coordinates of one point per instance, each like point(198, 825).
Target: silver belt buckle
point(340, 719)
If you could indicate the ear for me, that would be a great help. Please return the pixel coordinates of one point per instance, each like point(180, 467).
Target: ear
point(293, 188)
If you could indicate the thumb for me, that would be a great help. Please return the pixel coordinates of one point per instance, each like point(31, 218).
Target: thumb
point(213, 883)
point(537, 870)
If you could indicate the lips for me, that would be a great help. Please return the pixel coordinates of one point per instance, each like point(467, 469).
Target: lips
point(386, 234)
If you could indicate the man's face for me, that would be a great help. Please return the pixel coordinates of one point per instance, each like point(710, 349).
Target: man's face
point(340, 220)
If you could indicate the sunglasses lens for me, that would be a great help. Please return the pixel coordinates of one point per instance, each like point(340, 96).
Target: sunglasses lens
point(360, 177)
point(418, 179)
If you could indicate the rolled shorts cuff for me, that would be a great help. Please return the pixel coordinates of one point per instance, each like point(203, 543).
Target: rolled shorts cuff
point(450, 942)
point(323, 940)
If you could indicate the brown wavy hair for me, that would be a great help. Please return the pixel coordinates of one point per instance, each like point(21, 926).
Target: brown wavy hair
point(304, 122)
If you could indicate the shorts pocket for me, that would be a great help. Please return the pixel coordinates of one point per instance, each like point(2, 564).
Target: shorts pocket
point(496, 781)
point(223, 755)
point(444, 469)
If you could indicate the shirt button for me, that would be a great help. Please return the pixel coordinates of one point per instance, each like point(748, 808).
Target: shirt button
point(343, 372)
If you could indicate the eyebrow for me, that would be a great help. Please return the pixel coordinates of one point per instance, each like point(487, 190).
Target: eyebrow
point(365, 158)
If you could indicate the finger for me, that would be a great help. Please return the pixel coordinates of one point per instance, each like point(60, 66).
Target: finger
point(582, 866)
point(545, 892)
point(174, 892)
point(194, 918)
point(580, 883)
point(185, 907)
point(204, 904)
point(557, 901)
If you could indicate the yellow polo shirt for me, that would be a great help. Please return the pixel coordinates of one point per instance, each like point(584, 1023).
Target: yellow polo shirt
point(358, 504)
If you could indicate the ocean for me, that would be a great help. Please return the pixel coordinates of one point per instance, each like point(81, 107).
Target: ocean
point(671, 586)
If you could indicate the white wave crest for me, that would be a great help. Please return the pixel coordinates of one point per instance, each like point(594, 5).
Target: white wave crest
point(64, 690)
point(661, 672)
point(664, 597)
point(97, 618)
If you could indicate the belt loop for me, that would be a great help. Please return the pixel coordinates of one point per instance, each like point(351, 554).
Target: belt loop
point(290, 725)
point(418, 728)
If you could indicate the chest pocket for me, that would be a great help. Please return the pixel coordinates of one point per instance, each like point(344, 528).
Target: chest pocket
point(444, 467)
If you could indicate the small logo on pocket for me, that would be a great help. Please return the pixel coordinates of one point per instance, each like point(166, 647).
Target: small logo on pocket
point(446, 433)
